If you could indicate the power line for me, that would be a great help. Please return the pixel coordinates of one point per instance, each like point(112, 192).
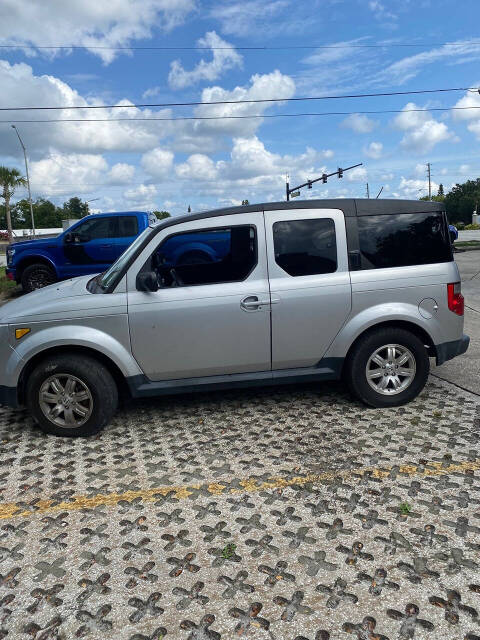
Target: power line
point(271, 115)
point(262, 100)
point(376, 45)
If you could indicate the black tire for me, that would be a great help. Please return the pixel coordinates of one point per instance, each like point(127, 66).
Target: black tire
point(93, 374)
point(355, 368)
point(37, 276)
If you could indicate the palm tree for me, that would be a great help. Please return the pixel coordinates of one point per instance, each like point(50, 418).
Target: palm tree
point(10, 179)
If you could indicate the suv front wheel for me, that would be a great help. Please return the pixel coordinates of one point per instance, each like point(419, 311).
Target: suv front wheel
point(71, 395)
point(387, 367)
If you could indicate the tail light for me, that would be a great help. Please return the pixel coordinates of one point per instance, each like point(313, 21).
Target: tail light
point(455, 299)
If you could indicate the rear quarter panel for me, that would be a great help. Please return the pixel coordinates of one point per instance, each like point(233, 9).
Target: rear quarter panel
point(382, 295)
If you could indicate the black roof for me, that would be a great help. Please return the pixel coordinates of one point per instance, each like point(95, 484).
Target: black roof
point(351, 207)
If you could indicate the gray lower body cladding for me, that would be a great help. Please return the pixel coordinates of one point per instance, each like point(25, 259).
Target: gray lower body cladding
point(448, 350)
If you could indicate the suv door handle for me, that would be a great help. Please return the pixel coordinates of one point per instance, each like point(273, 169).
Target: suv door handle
point(252, 303)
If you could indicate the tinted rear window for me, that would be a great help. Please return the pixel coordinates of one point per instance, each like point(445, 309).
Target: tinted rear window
point(127, 226)
point(305, 247)
point(403, 240)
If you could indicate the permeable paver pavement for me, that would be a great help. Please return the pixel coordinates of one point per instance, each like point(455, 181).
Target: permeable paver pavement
point(281, 514)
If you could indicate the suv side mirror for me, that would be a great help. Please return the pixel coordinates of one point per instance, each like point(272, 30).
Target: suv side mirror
point(147, 281)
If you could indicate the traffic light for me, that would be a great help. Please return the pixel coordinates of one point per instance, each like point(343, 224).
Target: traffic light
point(324, 178)
point(340, 173)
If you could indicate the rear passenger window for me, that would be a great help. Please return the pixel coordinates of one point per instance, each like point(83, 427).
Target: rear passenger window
point(127, 226)
point(212, 256)
point(305, 247)
point(403, 240)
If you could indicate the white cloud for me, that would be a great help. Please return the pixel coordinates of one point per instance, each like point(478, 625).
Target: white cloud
point(422, 131)
point(251, 168)
point(224, 58)
point(374, 150)
point(241, 18)
point(359, 123)
point(66, 173)
point(22, 87)
point(380, 12)
point(89, 23)
point(340, 67)
point(121, 173)
point(158, 162)
point(207, 135)
point(142, 197)
point(470, 111)
point(466, 51)
point(359, 174)
point(411, 188)
point(197, 167)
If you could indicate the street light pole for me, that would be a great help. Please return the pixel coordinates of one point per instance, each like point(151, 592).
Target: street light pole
point(28, 179)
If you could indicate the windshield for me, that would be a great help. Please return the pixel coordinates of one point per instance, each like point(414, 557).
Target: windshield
point(109, 276)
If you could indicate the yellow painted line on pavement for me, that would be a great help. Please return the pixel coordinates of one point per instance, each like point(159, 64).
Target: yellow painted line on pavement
point(249, 485)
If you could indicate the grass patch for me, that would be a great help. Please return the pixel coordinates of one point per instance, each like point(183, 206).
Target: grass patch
point(404, 508)
point(6, 286)
point(229, 550)
point(468, 243)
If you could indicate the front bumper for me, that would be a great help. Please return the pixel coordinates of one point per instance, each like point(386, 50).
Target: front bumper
point(8, 396)
point(448, 350)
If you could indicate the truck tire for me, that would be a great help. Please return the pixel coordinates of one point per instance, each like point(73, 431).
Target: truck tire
point(387, 367)
point(36, 276)
point(71, 395)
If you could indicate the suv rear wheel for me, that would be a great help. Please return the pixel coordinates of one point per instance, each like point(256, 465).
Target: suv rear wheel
point(387, 367)
point(71, 395)
point(37, 276)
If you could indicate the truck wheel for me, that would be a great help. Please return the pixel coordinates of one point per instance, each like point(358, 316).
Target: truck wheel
point(387, 367)
point(71, 395)
point(37, 276)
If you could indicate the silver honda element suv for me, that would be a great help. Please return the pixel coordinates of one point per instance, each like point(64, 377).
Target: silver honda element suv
point(364, 290)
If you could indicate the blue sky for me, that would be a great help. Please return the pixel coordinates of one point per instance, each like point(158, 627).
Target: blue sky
point(165, 164)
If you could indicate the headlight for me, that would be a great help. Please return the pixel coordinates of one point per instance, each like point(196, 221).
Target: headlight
point(10, 254)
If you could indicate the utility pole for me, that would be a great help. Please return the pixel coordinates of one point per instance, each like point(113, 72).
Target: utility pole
point(368, 191)
point(28, 179)
point(429, 181)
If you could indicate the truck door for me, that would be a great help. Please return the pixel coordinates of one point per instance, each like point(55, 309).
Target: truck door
point(126, 231)
point(88, 247)
point(309, 283)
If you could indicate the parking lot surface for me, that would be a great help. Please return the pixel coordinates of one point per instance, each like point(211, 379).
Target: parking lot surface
point(284, 514)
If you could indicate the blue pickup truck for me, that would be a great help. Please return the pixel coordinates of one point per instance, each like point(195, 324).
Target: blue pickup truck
point(89, 246)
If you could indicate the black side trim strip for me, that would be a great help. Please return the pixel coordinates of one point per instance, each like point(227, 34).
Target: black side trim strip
point(328, 369)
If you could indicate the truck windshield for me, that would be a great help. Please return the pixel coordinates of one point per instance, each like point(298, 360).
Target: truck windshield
point(109, 276)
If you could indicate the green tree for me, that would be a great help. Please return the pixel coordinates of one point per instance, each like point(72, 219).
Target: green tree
point(46, 214)
point(16, 218)
point(245, 203)
point(462, 200)
point(161, 215)
point(10, 179)
point(441, 192)
point(75, 208)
